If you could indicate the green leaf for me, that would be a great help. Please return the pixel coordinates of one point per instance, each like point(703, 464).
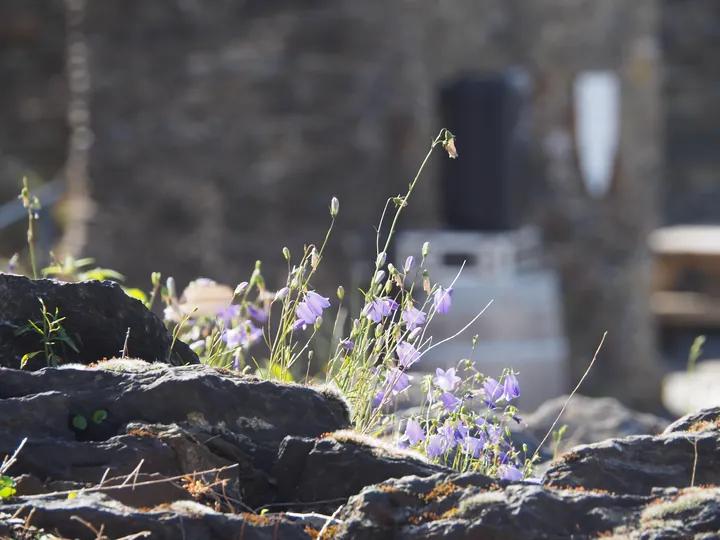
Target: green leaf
point(27, 357)
point(79, 422)
point(99, 415)
point(101, 274)
point(137, 294)
point(277, 373)
point(7, 487)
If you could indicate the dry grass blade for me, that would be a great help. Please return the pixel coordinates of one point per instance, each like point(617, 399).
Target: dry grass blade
point(577, 387)
point(9, 461)
point(139, 484)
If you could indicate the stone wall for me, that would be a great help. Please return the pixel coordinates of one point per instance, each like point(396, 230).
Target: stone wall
point(222, 130)
point(691, 37)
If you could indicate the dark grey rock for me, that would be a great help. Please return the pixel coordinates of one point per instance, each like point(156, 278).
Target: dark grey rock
point(182, 519)
point(97, 315)
point(590, 420)
point(339, 465)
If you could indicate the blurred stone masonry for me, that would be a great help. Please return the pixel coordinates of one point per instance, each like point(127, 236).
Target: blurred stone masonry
point(223, 129)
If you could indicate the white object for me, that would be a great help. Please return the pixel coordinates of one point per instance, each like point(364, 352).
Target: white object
point(597, 128)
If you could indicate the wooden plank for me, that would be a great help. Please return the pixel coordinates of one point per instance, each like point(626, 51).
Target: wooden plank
point(685, 308)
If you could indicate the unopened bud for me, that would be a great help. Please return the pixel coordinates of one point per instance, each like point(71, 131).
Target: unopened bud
point(286, 253)
point(409, 264)
point(379, 276)
point(155, 278)
point(381, 259)
point(282, 293)
point(340, 292)
point(334, 206)
point(240, 289)
point(170, 285)
point(425, 249)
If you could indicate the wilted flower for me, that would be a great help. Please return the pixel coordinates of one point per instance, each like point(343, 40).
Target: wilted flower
point(413, 317)
point(407, 354)
point(347, 344)
point(443, 300)
point(379, 308)
point(446, 380)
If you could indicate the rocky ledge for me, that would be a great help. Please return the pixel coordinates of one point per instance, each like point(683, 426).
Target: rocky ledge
point(199, 453)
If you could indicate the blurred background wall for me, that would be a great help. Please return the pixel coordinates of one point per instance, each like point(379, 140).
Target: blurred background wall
point(220, 131)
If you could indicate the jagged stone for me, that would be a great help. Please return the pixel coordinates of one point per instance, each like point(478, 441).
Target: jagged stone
point(97, 316)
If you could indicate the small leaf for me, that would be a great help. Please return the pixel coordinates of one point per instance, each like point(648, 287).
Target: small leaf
point(7, 487)
point(79, 422)
point(27, 357)
point(99, 415)
point(137, 294)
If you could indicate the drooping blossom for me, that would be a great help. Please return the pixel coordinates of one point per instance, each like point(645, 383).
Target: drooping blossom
point(443, 300)
point(510, 472)
point(511, 387)
point(243, 335)
point(310, 309)
point(493, 391)
point(474, 445)
point(413, 432)
point(413, 317)
point(450, 401)
point(258, 314)
point(437, 445)
point(347, 344)
point(407, 354)
point(379, 308)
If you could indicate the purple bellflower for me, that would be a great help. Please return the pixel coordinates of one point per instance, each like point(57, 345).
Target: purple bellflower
point(413, 317)
point(443, 300)
point(407, 354)
point(379, 308)
point(310, 309)
point(511, 387)
point(446, 380)
point(413, 432)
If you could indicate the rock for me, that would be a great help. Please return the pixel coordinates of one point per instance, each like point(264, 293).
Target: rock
point(685, 392)
point(97, 315)
point(339, 465)
point(182, 519)
point(463, 506)
point(686, 452)
point(590, 420)
point(175, 420)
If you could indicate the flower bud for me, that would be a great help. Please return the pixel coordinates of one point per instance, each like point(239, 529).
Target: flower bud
point(334, 207)
point(409, 264)
point(240, 289)
point(340, 292)
point(286, 253)
point(154, 277)
point(170, 284)
point(381, 259)
point(282, 293)
point(425, 249)
point(379, 276)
